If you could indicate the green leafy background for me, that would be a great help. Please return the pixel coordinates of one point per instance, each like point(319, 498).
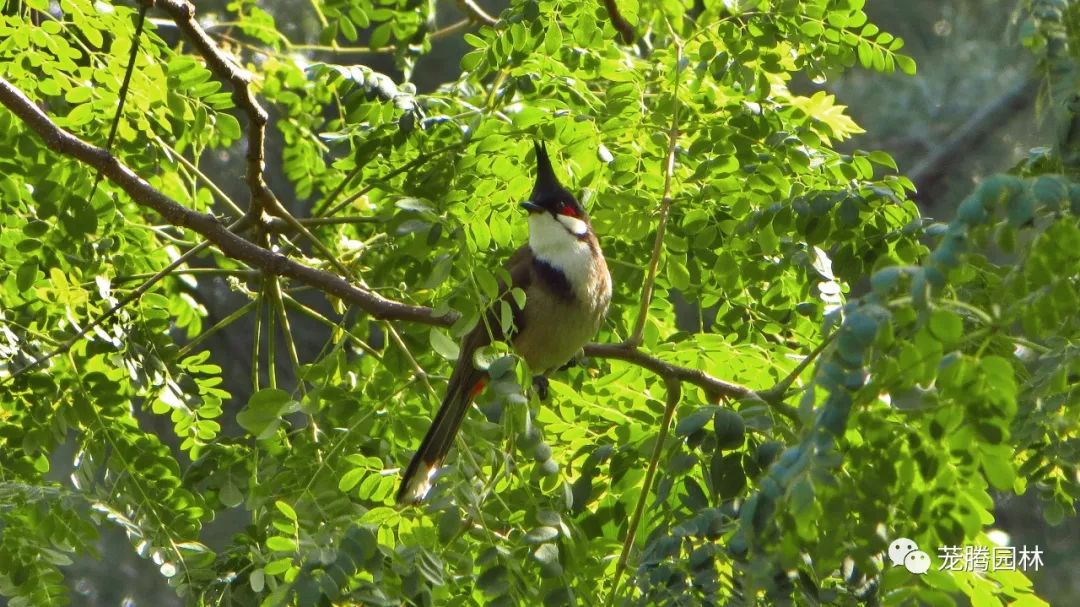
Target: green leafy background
point(941, 357)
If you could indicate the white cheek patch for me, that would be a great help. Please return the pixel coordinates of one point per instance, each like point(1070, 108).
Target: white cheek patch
point(576, 226)
point(553, 241)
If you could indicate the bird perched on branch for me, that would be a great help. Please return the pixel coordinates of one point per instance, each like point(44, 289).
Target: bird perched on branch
point(567, 290)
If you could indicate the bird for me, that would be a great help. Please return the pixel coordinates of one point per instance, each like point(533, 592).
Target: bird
point(567, 291)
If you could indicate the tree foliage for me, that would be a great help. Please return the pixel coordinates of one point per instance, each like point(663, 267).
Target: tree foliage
point(885, 376)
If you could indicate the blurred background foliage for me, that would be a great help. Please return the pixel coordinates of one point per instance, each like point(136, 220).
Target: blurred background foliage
point(994, 93)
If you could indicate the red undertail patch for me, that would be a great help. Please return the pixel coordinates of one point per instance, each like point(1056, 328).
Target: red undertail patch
point(477, 388)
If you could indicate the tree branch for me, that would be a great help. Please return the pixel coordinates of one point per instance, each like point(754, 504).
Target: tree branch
point(665, 209)
point(618, 22)
point(236, 247)
point(674, 394)
point(206, 225)
point(777, 393)
point(183, 14)
point(475, 13)
point(987, 119)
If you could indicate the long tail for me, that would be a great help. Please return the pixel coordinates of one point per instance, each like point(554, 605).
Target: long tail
point(416, 481)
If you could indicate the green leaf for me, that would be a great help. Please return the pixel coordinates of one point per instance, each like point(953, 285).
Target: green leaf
point(285, 509)
point(946, 326)
point(442, 344)
point(694, 422)
point(730, 429)
point(28, 245)
point(261, 417)
point(677, 274)
point(471, 60)
point(494, 582)
point(350, 479)
point(228, 126)
point(998, 466)
point(35, 228)
point(80, 115)
point(553, 38)
point(547, 556)
point(230, 495)
point(540, 535)
point(279, 543)
point(26, 275)
point(906, 64)
point(380, 36)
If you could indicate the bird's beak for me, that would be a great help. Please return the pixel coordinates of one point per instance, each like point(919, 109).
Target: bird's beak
point(532, 207)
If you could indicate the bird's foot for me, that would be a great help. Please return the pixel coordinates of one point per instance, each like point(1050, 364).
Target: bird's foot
point(540, 384)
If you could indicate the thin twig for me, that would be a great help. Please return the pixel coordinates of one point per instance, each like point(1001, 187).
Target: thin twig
point(777, 393)
point(130, 297)
point(321, 247)
point(290, 46)
point(475, 13)
point(674, 394)
point(665, 210)
point(276, 224)
point(313, 314)
point(271, 334)
point(122, 98)
point(222, 196)
point(119, 280)
point(415, 162)
point(219, 325)
point(319, 14)
point(286, 330)
point(135, 39)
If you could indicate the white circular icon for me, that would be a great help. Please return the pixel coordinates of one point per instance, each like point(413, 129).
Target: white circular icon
point(917, 562)
point(899, 548)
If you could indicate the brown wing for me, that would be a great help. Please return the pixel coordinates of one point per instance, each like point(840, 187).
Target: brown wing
point(489, 328)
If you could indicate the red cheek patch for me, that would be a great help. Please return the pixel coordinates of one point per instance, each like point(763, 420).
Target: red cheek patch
point(568, 211)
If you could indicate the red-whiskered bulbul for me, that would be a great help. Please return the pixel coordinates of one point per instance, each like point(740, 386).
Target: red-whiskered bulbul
point(567, 290)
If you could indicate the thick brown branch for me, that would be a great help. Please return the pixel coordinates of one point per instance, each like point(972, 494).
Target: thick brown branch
point(183, 13)
point(270, 262)
point(618, 22)
point(207, 225)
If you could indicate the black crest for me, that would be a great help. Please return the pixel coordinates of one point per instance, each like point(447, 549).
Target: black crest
point(548, 192)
